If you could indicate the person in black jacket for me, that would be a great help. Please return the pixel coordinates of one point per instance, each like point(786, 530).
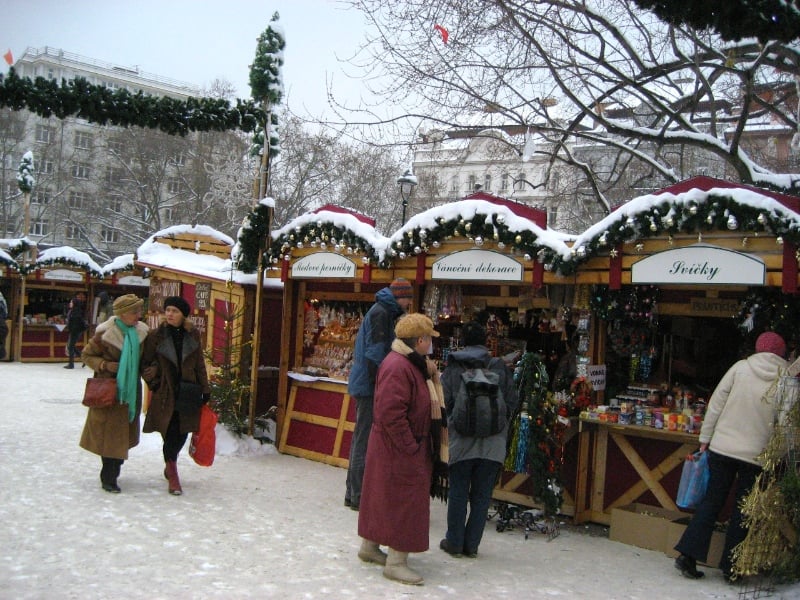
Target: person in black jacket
point(76, 325)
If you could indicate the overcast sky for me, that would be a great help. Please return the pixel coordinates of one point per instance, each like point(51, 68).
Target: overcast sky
point(197, 41)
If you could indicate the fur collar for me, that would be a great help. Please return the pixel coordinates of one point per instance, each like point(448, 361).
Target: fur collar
point(112, 335)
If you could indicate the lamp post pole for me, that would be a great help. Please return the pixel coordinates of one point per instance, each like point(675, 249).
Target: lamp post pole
point(407, 182)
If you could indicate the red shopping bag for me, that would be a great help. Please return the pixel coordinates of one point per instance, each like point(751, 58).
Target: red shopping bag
point(204, 440)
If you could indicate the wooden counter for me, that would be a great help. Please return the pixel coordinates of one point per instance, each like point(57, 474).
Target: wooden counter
point(46, 343)
point(319, 421)
point(642, 465)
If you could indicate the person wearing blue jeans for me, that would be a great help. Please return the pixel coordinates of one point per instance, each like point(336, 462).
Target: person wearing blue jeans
point(373, 342)
point(736, 429)
point(474, 462)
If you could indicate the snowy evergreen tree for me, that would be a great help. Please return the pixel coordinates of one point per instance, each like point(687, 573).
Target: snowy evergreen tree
point(25, 178)
point(266, 78)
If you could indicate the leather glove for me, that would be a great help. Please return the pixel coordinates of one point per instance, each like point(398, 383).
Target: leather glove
point(112, 367)
point(150, 373)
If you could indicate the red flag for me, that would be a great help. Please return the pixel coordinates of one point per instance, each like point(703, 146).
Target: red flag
point(443, 32)
point(9, 57)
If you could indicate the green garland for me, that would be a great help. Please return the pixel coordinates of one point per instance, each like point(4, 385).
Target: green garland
point(543, 445)
point(252, 236)
point(97, 104)
point(769, 309)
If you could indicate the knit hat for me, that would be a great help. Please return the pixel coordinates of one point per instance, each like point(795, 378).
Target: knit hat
point(769, 341)
point(401, 288)
point(414, 325)
point(179, 303)
point(474, 334)
point(127, 303)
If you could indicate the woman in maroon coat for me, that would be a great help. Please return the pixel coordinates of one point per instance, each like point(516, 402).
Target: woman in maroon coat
point(395, 502)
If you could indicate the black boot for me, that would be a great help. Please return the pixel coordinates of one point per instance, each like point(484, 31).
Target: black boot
point(688, 567)
point(109, 474)
point(71, 365)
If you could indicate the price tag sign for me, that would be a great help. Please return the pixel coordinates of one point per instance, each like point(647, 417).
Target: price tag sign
point(597, 377)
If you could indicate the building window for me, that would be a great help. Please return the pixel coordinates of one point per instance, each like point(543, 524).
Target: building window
point(114, 175)
point(44, 134)
point(552, 215)
point(174, 186)
point(41, 196)
point(109, 235)
point(73, 232)
point(76, 200)
point(115, 205)
point(169, 214)
point(519, 182)
point(471, 181)
point(179, 159)
point(116, 146)
point(46, 167)
point(39, 227)
point(454, 184)
point(83, 140)
point(80, 171)
point(487, 183)
point(504, 182)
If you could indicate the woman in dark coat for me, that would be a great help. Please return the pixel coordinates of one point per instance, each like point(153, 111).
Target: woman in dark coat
point(172, 353)
point(395, 500)
point(114, 351)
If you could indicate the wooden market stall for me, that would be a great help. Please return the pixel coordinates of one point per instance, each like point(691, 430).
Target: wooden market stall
point(52, 277)
point(194, 262)
point(679, 276)
point(459, 271)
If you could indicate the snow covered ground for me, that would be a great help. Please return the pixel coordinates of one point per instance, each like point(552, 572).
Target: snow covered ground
point(257, 524)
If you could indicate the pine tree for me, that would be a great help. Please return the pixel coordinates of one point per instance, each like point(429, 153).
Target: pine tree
point(25, 178)
point(266, 79)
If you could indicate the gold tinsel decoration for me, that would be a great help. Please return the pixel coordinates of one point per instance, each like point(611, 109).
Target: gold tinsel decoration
point(772, 520)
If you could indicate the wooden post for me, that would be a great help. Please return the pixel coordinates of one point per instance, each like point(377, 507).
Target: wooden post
point(21, 316)
point(255, 350)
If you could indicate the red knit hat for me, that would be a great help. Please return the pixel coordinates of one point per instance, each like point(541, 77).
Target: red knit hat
point(401, 288)
point(769, 341)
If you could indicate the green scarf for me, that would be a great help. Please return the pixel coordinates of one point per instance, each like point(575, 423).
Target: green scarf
point(128, 372)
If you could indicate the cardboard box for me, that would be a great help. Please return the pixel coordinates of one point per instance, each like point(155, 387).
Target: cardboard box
point(656, 528)
point(642, 525)
point(675, 531)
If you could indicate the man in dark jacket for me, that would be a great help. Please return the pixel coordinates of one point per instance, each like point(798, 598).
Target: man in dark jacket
point(373, 343)
point(474, 461)
point(76, 325)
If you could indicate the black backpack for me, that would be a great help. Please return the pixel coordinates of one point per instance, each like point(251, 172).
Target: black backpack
point(479, 409)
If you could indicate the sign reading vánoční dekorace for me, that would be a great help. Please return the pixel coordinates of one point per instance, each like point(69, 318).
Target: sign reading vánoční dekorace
point(700, 264)
point(477, 265)
point(323, 264)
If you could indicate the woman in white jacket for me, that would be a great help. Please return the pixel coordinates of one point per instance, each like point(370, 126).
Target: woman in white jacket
point(736, 429)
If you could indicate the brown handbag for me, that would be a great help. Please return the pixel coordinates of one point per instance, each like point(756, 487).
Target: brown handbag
point(101, 392)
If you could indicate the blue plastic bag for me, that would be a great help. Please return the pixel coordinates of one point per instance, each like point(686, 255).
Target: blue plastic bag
point(694, 480)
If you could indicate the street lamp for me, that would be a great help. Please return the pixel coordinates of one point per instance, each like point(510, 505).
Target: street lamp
point(407, 182)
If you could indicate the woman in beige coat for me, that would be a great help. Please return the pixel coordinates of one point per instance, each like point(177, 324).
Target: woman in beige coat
point(114, 352)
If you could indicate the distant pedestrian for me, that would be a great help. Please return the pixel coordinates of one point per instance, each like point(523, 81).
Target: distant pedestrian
point(3, 326)
point(114, 351)
point(373, 342)
point(76, 325)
